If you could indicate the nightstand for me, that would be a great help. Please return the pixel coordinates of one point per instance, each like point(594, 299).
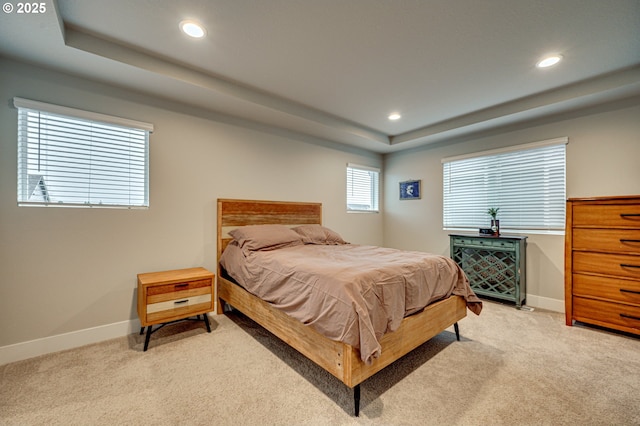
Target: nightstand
point(170, 296)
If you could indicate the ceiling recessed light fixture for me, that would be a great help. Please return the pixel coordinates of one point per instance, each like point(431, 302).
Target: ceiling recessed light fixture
point(549, 61)
point(394, 116)
point(192, 29)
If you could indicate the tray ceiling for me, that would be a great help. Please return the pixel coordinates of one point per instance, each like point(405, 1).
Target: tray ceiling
point(335, 69)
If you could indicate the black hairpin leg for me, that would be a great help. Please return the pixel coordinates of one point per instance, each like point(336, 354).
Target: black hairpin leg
point(356, 399)
point(457, 329)
point(146, 339)
point(206, 321)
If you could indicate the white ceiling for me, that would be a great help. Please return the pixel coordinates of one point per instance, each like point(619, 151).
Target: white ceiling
point(335, 69)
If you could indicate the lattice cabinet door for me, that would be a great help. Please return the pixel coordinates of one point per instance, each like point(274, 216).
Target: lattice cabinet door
point(495, 266)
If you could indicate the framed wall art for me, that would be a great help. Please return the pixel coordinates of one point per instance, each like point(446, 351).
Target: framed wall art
point(410, 190)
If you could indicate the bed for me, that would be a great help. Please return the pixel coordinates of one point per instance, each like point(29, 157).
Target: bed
point(342, 360)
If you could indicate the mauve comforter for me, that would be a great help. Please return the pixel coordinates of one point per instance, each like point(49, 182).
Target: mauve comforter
point(350, 293)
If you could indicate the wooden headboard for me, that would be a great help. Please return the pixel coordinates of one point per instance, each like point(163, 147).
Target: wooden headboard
point(235, 213)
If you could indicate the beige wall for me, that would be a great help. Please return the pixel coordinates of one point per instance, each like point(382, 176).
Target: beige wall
point(602, 159)
point(63, 270)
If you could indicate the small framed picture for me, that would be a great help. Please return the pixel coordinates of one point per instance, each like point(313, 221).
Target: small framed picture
point(410, 190)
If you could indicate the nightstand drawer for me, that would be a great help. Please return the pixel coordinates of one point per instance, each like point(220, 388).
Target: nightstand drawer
point(601, 216)
point(180, 307)
point(177, 303)
point(181, 293)
point(175, 287)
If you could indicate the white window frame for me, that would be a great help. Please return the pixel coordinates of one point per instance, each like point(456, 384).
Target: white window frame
point(73, 158)
point(531, 194)
point(363, 189)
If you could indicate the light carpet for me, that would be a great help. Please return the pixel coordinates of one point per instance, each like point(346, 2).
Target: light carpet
point(512, 367)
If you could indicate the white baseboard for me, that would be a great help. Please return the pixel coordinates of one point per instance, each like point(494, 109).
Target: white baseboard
point(556, 305)
point(60, 342)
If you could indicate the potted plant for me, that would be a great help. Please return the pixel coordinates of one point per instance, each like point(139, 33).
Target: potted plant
point(495, 223)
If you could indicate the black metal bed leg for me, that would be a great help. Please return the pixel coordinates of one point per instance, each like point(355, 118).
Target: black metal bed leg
point(457, 329)
point(356, 399)
point(142, 330)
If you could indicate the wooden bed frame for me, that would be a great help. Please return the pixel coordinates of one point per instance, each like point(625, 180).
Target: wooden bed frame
point(339, 359)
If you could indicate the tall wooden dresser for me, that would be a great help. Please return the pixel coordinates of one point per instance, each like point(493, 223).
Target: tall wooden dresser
point(602, 262)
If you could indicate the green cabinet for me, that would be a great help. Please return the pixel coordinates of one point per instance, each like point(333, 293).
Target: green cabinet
point(495, 266)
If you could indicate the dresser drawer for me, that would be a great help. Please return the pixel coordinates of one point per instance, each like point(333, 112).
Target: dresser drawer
point(607, 314)
point(618, 265)
point(601, 216)
point(608, 240)
point(617, 290)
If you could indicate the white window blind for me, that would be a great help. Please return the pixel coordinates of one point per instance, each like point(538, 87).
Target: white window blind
point(74, 158)
point(362, 188)
point(527, 184)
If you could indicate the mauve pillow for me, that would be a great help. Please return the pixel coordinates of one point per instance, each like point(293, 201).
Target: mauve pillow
point(265, 237)
point(318, 234)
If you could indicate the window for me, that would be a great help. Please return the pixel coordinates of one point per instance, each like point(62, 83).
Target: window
point(74, 158)
point(362, 188)
point(526, 182)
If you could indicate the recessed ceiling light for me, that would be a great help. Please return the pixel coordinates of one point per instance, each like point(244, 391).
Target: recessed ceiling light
point(192, 29)
point(549, 61)
point(394, 116)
